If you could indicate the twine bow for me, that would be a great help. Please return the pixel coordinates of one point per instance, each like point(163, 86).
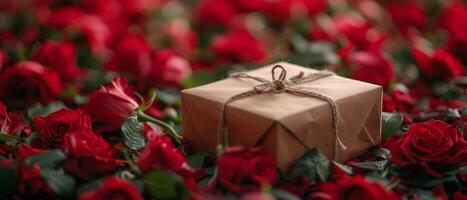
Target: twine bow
point(280, 84)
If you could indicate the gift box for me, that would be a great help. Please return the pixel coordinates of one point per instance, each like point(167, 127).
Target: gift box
point(287, 109)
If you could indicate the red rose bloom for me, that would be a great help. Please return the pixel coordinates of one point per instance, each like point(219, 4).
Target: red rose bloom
point(111, 105)
point(160, 154)
point(182, 38)
point(60, 57)
point(408, 17)
point(450, 20)
point(356, 188)
point(215, 12)
point(239, 45)
point(89, 154)
point(113, 188)
point(359, 32)
point(27, 83)
point(54, 126)
point(241, 170)
point(441, 65)
point(168, 68)
point(69, 19)
point(132, 54)
point(372, 68)
point(278, 10)
point(431, 142)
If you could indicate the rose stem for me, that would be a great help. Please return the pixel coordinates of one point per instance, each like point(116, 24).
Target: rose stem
point(143, 117)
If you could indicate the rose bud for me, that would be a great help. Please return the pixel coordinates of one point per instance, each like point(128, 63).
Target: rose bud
point(242, 170)
point(431, 142)
point(113, 188)
point(110, 105)
point(54, 126)
point(60, 57)
point(27, 83)
point(89, 155)
point(355, 188)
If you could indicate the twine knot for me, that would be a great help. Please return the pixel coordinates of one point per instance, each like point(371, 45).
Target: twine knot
point(279, 84)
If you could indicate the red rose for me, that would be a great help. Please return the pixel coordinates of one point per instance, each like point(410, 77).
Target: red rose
point(372, 67)
point(248, 5)
point(70, 19)
point(398, 101)
point(215, 12)
point(54, 126)
point(279, 10)
point(431, 142)
point(356, 188)
point(238, 45)
point(111, 105)
point(25, 152)
point(408, 17)
point(113, 188)
point(168, 68)
point(31, 184)
point(182, 38)
point(359, 32)
point(450, 20)
point(132, 54)
point(160, 154)
point(441, 65)
point(257, 196)
point(27, 83)
point(241, 170)
point(315, 7)
point(89, 154)
point(61, 57)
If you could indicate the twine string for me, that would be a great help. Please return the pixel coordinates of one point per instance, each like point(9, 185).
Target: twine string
point(280, 84)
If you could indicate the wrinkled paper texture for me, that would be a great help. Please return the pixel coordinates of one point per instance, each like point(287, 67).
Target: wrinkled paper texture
point(285, 124)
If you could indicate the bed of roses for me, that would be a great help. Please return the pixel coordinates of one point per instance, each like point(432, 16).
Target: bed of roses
point(89, 96)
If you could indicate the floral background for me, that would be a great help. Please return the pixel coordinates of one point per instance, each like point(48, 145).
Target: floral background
point(90, 96)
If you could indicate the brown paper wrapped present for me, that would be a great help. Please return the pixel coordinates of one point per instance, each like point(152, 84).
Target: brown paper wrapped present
point(286, 115)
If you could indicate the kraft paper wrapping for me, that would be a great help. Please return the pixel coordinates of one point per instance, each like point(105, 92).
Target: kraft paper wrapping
point(285, 124)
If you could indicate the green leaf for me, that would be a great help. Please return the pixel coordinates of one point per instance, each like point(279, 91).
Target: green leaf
point(132, 132)
point(453, 113)
point(196, 160)
point(345, 168)
point(169, 96)
point(43, 110)
point(7, 137)
point(166, 186)
point(60, 183)
point(8, 180)
point(50, 159)
point(391, 124)
point(89, 186)
point(313, 165)
point(199, 78)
